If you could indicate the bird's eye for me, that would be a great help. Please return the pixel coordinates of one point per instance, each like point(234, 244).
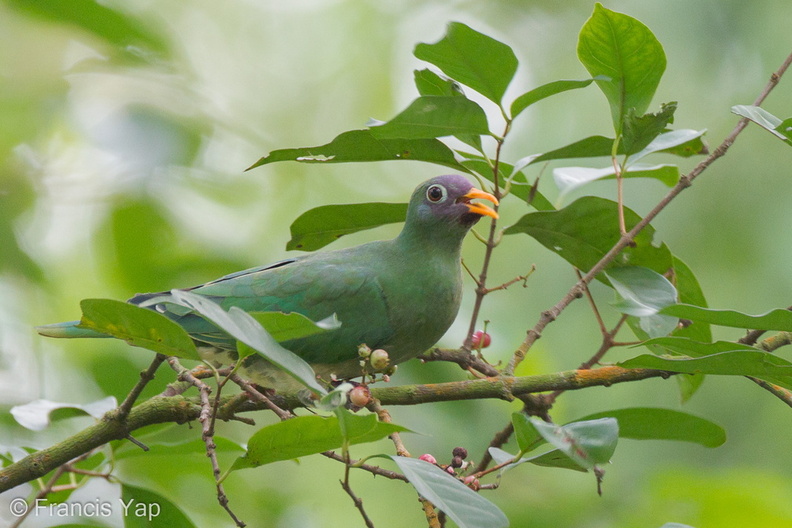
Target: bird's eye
point(436, 193)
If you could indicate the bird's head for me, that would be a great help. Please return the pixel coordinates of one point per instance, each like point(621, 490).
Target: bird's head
point(444, 205)
point(449, 199)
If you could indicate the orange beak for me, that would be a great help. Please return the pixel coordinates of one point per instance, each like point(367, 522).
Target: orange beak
point(480, 208)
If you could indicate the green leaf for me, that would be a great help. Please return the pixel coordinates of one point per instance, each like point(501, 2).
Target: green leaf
point(544, 91)
point(785, 129)
point(638, 131)
point(567, 179)
point(143, 508)
point(433, 116)
point(37, 414)
point(428, 82)
point(168, 447)
point(525, 433)
point(131, 38)
point(588, 444)
point(244, 328)
point(520, 186)
point(555, 458)
point(777, 319)
point(688, 347)
point(684, 143)
point(361, 145)
point(590, 147)
point(690, 293)
point(763, 118)
point(472, 58)
point(623, 49)
point(499, 456)
point(463, 505)
point(585, 230)
point(137, 326)
point(322, 225)
point(308, 435)
point(286, 326)
point(648, 423)
point(731, 363)
point(643, 293)
point(552, 458)
point(334, 399)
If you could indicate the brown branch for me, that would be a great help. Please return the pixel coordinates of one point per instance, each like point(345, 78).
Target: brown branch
point(685, 181)
point(179, 409)
point(785, 395)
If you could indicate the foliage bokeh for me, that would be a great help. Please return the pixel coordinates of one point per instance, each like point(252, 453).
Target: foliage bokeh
point(122, 172)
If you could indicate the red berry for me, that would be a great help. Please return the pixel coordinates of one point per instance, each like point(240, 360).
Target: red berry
point(428, 458)
point(480, 339)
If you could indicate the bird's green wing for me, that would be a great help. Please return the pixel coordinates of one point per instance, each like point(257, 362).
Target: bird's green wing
point(317, 286)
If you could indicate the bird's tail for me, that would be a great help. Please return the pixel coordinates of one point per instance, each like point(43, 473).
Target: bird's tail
point(68, 329)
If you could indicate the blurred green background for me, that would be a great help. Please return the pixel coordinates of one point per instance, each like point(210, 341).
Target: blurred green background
point(123, 141)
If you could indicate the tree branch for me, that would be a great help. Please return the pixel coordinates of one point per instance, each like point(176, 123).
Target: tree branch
point(685, 181)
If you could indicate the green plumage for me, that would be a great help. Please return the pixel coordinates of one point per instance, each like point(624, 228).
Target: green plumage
point(400, 295)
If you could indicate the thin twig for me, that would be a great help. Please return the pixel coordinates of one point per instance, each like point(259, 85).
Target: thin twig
point(481, 282)
point(206, 418)
point(257, 395)
point(145, 377)
point(461, 357)
point(374, 470)
point(358, 502)
point(523, 278)
point(619, 194)
point(593, 304)
point(607, 344)
point(500, 438)
point(685, 181)
point(385, 417)
point(50, 487)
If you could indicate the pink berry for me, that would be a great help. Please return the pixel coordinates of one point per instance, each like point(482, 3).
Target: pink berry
point(480, 339)
point(426, 457)
point(472, 482)
point(360, 396)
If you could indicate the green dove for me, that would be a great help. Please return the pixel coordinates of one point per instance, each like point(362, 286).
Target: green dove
point(399, 295)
